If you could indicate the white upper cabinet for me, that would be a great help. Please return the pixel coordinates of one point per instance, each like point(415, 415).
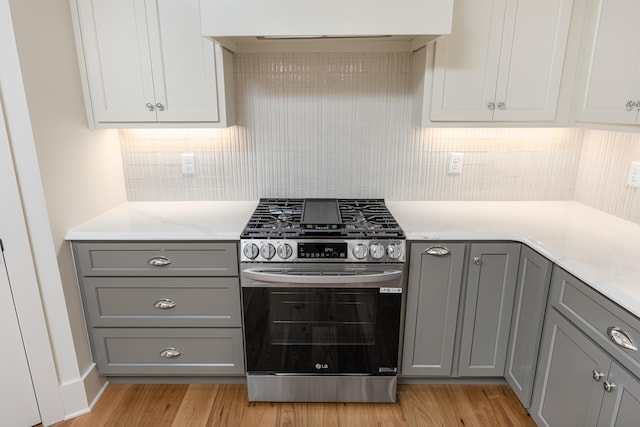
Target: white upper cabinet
point(611, 64)
point(147, 65)
point(502, 62)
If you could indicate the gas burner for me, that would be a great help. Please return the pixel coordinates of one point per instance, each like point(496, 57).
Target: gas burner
point(322, 218)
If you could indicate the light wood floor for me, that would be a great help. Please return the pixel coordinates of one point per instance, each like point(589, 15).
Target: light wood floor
point(193, 405)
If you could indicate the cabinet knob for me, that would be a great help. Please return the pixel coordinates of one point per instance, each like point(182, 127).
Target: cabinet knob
point(502, 106)
point(160, 106)
point(438, 251)
point(608, 386)
point(170, 353)
point(149, 106)
point(491, 106)
point(477, 260)
point(164, 303)
point(597, 375)
point(159, 261)
point(621, 338)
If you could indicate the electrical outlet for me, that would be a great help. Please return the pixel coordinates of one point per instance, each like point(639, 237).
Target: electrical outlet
point(188, 164)
point(455, 163)
point(633, 179)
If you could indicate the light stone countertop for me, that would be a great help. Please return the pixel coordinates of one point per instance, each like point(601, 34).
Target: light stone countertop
point(167, 221)
point(598, 248)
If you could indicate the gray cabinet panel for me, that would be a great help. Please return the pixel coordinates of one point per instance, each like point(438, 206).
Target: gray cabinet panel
point(187, 298)
point(566, 394)
point(621, 407)
point(595, 314)
point(133, 259)
point(137, 351)
point(493, 270)
point(431, 311)
point(138, 301)
point(532, 289)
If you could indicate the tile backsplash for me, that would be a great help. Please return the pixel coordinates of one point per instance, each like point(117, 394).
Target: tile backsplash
point(604, 166)
point(338, 125)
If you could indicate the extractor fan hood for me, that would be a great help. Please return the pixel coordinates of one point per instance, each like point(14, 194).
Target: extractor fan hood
point(325, 25)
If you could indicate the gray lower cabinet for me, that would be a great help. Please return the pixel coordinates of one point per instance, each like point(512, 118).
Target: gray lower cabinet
point(162, 308)
point(433, 295)
point(436, 304)
point(621, 406)
point(585, 377)
point(168, 351)
point(488, 305)
point(566, 392)
point(532, 289)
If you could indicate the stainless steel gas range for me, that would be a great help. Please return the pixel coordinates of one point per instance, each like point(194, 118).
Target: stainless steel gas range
point(322, 286)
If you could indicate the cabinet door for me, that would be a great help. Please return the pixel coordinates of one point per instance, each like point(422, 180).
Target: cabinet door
point(435, 276)
point(612, 58)
point(531, 60)
point(466, 62)
point(488, 307)
point(566, 393)
point(184, 65)
point(621, 405)
point(503, 61)
point(116, 56)
point(532, 289)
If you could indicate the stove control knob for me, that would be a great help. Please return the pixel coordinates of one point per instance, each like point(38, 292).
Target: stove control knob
point(360, 251)
point(267, 251)
point(285, 251)
point(250, 250)
point(394, 250)
point(376, 250)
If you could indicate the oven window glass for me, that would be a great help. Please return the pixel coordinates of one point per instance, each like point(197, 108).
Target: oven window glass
point(308, 317)
point(321, 330)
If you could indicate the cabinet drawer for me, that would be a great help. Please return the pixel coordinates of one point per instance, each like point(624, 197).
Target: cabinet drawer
point(138, 351)
point(595, 315)
point(163, 302)
point(171, 259)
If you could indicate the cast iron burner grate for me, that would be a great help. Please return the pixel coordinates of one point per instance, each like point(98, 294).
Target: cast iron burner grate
point(353, 218)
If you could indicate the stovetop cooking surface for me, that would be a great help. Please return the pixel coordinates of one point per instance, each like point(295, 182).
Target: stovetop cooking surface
point(313, 218)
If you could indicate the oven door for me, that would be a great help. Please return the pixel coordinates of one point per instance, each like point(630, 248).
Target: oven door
point(322, 320)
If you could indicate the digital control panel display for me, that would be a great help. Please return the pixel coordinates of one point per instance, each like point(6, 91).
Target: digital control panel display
point(322, 250)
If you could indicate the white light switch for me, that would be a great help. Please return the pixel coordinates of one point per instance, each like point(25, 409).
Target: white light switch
point(455, 163)
point(188, 164)
point(633, 179)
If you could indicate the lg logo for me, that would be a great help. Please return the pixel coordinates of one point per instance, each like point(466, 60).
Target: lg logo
point(322, 366)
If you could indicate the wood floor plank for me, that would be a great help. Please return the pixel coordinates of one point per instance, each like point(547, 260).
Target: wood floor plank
point(221, 405)
point(308, 414)
point(229, 405)
point(106, 410)
point(196, 406)
point(259, 414)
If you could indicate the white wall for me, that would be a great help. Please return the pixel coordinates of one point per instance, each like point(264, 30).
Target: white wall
point(81, 176)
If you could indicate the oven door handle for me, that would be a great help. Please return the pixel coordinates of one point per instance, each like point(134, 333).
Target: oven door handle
point(299, 279)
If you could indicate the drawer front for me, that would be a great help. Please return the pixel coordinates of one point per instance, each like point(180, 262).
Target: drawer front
point(163, 302)
point(175, 351)
point(157, 259)
point(596, 315)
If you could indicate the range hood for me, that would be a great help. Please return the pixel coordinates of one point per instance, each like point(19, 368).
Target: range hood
point(325, 25)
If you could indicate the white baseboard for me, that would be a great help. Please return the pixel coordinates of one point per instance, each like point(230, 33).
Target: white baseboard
point(81, 395)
